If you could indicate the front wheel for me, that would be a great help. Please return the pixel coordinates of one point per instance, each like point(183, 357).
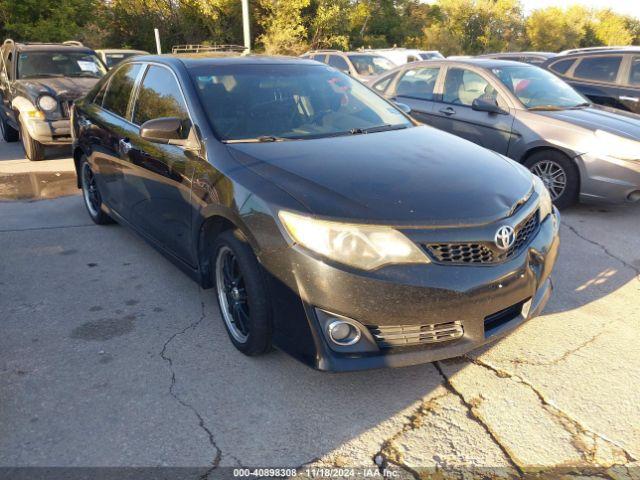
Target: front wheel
point(33, 149)
point(91, 195)
point(242, 294)
point(559, 174)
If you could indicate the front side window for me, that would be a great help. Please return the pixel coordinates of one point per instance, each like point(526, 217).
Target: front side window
point(634, 73)
point(116, 97)
point(462, 87)
point(159, 97)
point(418, 83)
point(537, 88)
point(382, 85)
point(338, 62)
point(254, 102)
point(367, 65)
point(599, 69)
point(562, 66)
point(34, 64)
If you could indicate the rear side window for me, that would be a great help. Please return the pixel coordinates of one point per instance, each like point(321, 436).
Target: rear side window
point(338, 62)
point(159, 96)
point(600, 69)
point(634, 73)
point(418, 83)
point(116, 98)
point(562, 66)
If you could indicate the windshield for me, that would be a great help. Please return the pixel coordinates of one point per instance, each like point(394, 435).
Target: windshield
point(59, 64)
point(277, 102)
point(371, 64)
point(538, 89)
point(115, 58)
point(429, 56)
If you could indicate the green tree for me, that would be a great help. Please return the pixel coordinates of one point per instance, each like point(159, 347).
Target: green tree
point(284, 29)
point(612, 29)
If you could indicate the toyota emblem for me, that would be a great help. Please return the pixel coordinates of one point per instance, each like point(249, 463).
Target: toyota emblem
point(505, 237)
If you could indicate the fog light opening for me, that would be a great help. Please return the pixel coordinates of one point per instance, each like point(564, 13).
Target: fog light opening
point(634, 196)
point(343, 333)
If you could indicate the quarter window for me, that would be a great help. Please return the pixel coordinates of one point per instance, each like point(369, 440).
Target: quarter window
point(462, 87)
point(634, 74)
point(562, 66)
point(159, 97)
point(338, 62)
point(418, 83)
point(600, 69)
point(116, 98)
point(382, 85)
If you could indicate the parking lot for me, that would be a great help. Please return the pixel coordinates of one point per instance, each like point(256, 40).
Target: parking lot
point(111, 356)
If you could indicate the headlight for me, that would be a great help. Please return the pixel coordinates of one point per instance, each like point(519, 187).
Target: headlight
point(361, 246)
point(546, 205)
point(610, 145)
point(47, 103)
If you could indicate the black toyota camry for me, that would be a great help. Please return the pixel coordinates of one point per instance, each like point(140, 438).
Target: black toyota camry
point(328, 223)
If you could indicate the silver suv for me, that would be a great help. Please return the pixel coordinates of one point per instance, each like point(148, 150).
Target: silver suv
point(364, 66)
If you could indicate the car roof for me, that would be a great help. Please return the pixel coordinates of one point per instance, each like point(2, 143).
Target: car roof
point(120, 50)
point(192, 62)
point(598, 51)
point(479, 62)
point(40, 47)
point(518, 54)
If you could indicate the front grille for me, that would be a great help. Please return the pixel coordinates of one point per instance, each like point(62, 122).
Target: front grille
point(388, 336)
point(484, 252)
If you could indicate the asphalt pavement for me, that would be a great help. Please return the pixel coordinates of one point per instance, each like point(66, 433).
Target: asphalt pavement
point(110, 356)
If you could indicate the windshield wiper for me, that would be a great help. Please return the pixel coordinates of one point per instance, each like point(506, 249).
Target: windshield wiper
point(260, 139)
point(546, 107)
point(40, 75)
point(581, 105)
point(84, 74)
point(380, 128)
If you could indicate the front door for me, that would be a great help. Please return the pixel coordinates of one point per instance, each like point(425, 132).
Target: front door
point(453, 111)
point(415, 88)
point(629, 91)
point(158, 176)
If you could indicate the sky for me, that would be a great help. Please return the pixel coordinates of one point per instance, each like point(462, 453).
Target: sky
point(628, 7)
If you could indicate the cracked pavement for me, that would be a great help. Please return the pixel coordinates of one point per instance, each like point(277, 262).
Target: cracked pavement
point(110, 356)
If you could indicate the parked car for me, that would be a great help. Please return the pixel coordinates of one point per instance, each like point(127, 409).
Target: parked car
point(330, 224)
point(38, 84)
point(579, 150)
point(361, 65)
point(534, 58)
point(400, 56)
point(607, 76)
point(111, 57)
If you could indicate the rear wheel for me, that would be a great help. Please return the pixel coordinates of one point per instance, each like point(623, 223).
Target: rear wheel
point(242, 294)
point(559, 174)
point(91, 195)
point(33, 149)
point(9, 134)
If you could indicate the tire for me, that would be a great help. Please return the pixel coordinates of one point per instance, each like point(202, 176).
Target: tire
point(559, 174)
point(91, 194)
point(33, 149)
point(242, 288)
point(9, 134)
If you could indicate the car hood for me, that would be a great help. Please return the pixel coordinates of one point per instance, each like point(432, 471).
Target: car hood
point(414, 176)
point(59, 87)
point(600, 118)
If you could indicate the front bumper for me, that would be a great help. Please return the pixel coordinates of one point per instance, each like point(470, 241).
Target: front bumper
point(50, 132)
point(610, 180)
point(418, 295)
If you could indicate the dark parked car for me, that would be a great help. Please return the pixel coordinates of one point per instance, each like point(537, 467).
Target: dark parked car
point(607, 76)
point(330, 224)
point(534, 58)
point(38, 84)
point(580, 151)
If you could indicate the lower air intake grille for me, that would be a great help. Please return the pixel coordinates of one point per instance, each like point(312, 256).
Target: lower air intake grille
point(388, 336)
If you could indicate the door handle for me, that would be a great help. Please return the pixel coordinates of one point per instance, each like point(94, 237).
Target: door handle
point(448, 111)
point(629, 99)
point(124, 146)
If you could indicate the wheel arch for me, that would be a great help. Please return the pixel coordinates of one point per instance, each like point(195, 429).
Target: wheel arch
point(209, 230)
point(546, 148)
point(78, 152)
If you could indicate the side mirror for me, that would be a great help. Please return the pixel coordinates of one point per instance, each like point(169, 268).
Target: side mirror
point(404, 107)
point(164, 130)
point(489, 106)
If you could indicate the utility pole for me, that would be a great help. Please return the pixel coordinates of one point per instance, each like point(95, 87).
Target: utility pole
point(157, 34)
point(245, 25)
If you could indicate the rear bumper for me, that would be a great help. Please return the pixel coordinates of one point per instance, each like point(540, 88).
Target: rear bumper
point(417, 295)
point(609, 180)
point(50, 132)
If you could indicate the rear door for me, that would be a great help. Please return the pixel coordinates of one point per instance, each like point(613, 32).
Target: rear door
point(453, 110)
point(415, 87)
point(629, 91)
point(337, 62)
point(158, 176)
point(111, 129)
point(596, 77)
